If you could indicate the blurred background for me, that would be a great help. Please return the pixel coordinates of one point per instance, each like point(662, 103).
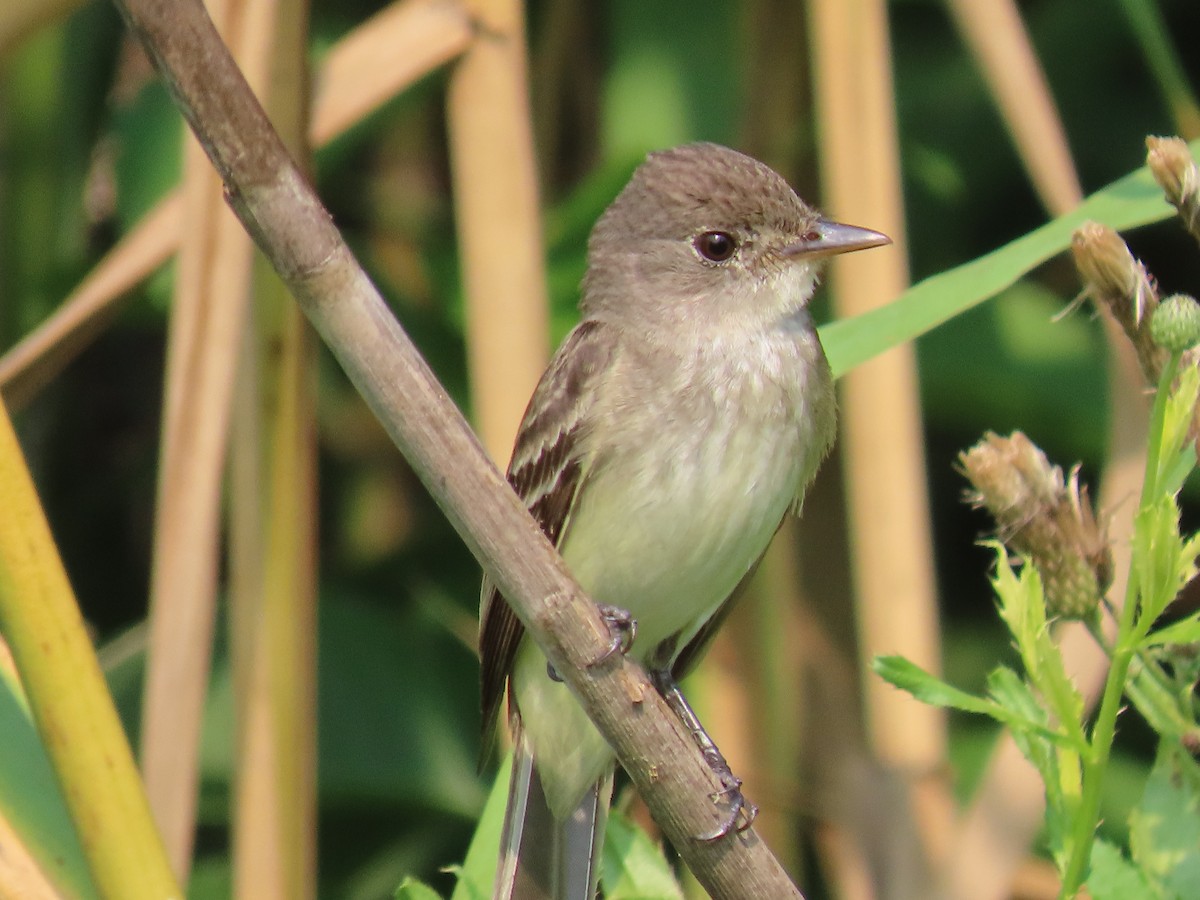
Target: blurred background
point(90, 145)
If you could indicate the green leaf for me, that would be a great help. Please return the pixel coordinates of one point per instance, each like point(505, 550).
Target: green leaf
point(927, 688)
point(1164, 831)
point(634, 867)
point(31, 802)
point(371, 715)
point(1160, 561)
point(930, 689)
point(1157, 704)
point(1023, 609)
point(1113, 877)
point(478, 872)
point(1185, 631)
point(411, 889)
point(1126, 203)
point(1010, 691)
point(1176, 472)
point(1041, 746)
point(1177, 420)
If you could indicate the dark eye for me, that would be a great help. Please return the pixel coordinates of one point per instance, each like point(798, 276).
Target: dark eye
point(715, 246)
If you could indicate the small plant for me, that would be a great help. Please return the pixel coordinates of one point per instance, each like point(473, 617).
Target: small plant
point(1054, 563)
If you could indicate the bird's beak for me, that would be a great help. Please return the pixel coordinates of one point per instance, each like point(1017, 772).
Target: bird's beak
point(827, 238)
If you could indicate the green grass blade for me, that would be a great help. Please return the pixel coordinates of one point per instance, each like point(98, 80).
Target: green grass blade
point(32, 803)
point(1128, 202)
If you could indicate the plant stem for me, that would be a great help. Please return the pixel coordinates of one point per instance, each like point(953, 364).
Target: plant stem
point(1095, 761)
point(69, 698)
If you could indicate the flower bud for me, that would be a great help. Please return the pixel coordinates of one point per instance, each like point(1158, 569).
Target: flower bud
point(1046, 518)
point(1120, 284)
point(1172, 166)
point(1176, 323)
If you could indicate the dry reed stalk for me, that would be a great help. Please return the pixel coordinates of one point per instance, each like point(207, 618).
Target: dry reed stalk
point(996, 37)
point(204, 342)
point(274, 614)
point(381, 58)
point(35, 360)
point(883, 455)
point(499, 224)
point(848, 865)
point(429, 31)
point(272, 523)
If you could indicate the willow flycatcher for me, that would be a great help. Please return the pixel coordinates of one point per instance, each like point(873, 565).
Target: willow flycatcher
point(675, 427)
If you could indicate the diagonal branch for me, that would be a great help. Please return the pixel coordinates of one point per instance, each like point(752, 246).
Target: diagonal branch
point(285, 218)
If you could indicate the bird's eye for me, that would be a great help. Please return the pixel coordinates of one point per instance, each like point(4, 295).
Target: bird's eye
point(715, 246)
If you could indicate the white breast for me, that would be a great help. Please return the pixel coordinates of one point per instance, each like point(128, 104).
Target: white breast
point(668, 526)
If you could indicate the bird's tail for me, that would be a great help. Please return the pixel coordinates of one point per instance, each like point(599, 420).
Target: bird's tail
point(541, 857)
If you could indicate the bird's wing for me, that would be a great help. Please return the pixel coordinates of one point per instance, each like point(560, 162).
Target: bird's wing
point(547, 470)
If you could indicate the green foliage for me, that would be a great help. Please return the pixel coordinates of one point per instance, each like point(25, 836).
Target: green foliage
point(31, 801)
point(634, 866)
point(478, 871)
point(411, 889)
point(1046, 714)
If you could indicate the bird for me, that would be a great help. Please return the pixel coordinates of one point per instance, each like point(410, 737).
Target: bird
point(676, 426)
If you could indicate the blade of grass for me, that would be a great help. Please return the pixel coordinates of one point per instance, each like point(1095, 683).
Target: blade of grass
point(42, 857)
point(69, 698)
point(1128, 202)
point(1164, 63)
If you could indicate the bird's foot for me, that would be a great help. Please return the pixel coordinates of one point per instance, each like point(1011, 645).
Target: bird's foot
point(622, 628)
point(740, 813)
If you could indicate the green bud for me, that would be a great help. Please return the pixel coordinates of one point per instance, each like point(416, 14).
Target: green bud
point(1176, 323)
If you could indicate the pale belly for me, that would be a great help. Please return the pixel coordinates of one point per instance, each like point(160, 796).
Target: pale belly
point(669, 534)
point(670, 542)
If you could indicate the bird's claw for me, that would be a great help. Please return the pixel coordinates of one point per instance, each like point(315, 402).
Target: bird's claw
point(622, 628)
point(741, 813)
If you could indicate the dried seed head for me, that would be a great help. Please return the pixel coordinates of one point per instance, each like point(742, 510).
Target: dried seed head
point(1045, 517)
